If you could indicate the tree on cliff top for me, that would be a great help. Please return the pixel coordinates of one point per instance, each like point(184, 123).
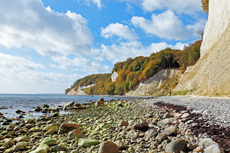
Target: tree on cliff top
point(205, 5)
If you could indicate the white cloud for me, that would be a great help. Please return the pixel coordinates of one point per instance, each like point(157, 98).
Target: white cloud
point(134, 49)
point(129, 8)
point(98, 3)
point(82, 64)
point(179, 6)
point(119, 30)
point(19, 75)
point(95, 2)
point(30, 25)
point(15, 63)
point(53, 65)
point(166, 25)
point(65, 67)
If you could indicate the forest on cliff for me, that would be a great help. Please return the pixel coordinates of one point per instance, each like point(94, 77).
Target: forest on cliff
point(133, 71)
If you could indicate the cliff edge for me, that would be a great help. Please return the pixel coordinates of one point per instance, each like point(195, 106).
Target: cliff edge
point(154, 82)
point(218, 21)
point(211, 73)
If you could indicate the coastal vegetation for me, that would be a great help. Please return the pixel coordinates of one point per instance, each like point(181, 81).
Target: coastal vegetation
point(205, 5)
point(134, 71)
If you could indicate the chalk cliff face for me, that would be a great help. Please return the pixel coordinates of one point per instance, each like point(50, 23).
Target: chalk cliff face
point(211, 73)
point(77, 92)
point(114, 76)
point(218, 21)
point(154, 82)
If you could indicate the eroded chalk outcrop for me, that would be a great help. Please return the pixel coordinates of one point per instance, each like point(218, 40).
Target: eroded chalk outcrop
point(218, 21)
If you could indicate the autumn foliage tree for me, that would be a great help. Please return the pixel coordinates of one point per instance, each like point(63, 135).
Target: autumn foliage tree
point(205, 5)
point(133, 71)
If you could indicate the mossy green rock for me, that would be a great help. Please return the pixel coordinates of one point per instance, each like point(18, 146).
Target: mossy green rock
point(49, 141)
point(43, 148)
point(58, 148)
point(86, 142)
point(52, 131)
point(20, 146)
point(8, 143)
point(10, 150)
point(50, 126)
point(75, 134)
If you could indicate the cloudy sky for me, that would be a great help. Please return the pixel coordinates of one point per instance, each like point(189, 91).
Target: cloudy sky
point(46, 45)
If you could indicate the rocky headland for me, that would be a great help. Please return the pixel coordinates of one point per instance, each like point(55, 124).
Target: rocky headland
point(141, 125)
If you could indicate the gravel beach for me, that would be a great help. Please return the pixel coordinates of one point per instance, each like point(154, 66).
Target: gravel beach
point(120, 126)
point(217, 108)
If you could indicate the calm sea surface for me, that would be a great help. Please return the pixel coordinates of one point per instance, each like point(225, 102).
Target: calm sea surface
point(9, 103)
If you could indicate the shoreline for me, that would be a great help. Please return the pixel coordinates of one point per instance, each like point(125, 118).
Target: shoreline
point(130, 124)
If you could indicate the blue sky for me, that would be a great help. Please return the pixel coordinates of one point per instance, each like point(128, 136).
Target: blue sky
point(46, 45)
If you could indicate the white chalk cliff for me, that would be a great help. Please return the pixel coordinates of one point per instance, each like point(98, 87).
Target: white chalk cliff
point(218, 21)
point(114, 76)
point(211, 74)
point(154, 82)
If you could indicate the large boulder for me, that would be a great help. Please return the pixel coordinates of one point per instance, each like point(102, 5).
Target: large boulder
point(100, 102)
point(214, 148)
point(68, 105)
point(176, 146)
point(66, 127)
point(108, 147)
point(204, 143)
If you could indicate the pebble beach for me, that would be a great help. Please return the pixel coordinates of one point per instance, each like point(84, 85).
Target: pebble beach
point(165, 124)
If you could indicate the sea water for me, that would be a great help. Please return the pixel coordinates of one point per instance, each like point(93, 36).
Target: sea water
point(9, 103)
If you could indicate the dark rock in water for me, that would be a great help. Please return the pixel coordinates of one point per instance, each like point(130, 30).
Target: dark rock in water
point(5, 123)
point(19, 111)
point(55, 114)
point(45, 106)
point(38, 109)
point(78, 105)
point(68, 105)
point(101, 100)
point(20, 116)
point(45, 110)
point(142, 126)
point(8, 120)
point(3, 107)
point(1, 113)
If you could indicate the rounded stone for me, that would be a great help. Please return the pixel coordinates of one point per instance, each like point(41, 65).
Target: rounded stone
point(108, 147)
